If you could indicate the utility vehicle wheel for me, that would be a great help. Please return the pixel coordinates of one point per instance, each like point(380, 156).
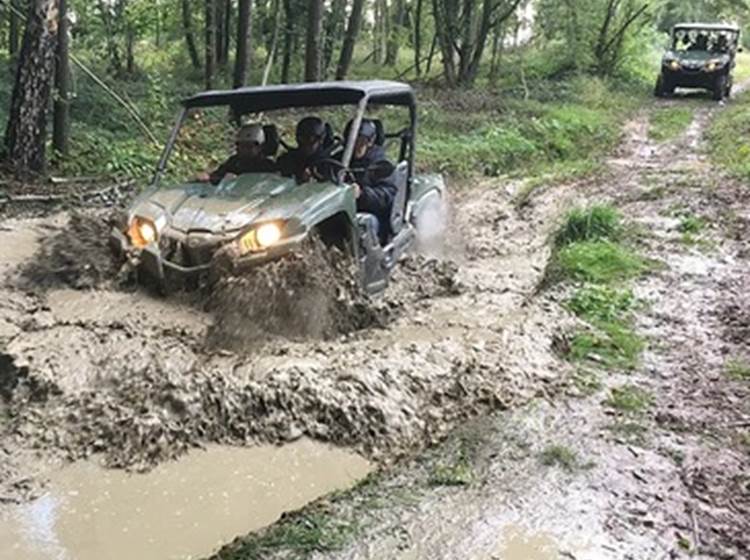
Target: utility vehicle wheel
point(720, 88)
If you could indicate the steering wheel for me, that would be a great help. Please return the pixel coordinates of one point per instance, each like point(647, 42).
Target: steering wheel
point(340, 169)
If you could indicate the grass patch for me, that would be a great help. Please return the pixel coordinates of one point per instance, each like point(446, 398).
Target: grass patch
point(738, 369)
point(460, 470)
point(669, 122)
point(599, 261)
point(590, 224)
point(628, 431)
point(299, 537)
point(555, 174)
point(587, 382)
point(611, 345)
point(728, 138)
point(629, 399)
point(562, 457)
point(597, 303)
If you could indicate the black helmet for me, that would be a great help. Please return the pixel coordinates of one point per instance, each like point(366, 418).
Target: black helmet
point(367, 129)
point(310, 127)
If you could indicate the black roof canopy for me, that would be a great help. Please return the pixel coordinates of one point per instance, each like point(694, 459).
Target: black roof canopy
point(267, 98)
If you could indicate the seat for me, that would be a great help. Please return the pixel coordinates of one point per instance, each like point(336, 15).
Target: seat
point(399, 178)
point(271, 144)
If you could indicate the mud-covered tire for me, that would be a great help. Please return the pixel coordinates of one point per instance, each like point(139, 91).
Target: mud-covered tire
point(720, 88)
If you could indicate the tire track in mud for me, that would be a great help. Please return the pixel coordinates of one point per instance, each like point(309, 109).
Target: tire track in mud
point(131, 377)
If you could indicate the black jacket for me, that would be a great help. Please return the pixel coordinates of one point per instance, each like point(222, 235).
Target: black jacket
point(377, 193)
point(239, 165)
point(294, 163)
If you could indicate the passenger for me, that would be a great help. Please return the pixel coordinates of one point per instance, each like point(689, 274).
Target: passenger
point(700, 43)
point(248, 158)
point(305, 162)
point(372, 171)
point(722, 44)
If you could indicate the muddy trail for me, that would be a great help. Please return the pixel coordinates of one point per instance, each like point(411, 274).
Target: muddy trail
point(89, 367)
point(568, 475)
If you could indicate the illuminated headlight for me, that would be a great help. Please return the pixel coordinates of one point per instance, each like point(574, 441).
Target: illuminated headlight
point(674, 65)
point(712, 65)
point(261, 237)
point(142, 232)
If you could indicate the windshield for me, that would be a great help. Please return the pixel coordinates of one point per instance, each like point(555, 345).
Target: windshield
point(706, 40)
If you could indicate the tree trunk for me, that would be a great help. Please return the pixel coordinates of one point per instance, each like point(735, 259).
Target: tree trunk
point(115, 60)
point(219, 32)
point(129, 46)
point(418, 38)
point(13, 32)
point(394, 37)
point(312, 42)
point(288, 40)
point(25, 134)
point(334, 29)
point(274, 43)
point(352, 31)
point(61, 120)
point(227, 34)
point(187, 27)
point(210, 44)
point(243, 43)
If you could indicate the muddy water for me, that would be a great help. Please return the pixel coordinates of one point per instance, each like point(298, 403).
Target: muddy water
point(517, 544)
point(183, 509)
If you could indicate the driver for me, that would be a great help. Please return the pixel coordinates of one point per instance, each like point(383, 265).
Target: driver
point(303, 162)
point(375, 191)
point(248, 158)
point(700, 43)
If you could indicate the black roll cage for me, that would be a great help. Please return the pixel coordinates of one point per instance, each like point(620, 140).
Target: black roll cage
point(248, 100)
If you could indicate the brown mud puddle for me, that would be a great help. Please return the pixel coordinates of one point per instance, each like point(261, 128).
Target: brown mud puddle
point(183, 509)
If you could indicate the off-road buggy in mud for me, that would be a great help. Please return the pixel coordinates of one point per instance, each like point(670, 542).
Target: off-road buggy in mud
point(183, 229)
point(700, 56)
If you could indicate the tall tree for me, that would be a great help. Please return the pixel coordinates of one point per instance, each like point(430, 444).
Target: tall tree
point(187, 29)
point(312, 42)
point(210, 54)
point(394, 35)
point(61, 120)
point(13, 31)
point(335, 22)
point(244, 19)
point(350, 39)
point(418, 37)
point(26, 131)
point(289, 36)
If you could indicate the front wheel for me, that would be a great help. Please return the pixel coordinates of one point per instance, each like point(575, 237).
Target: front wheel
point(720, 88)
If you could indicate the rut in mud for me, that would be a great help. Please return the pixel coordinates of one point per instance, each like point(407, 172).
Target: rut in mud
point(88, 368)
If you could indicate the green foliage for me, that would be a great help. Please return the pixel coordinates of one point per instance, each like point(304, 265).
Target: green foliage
point(729, 138)
point(629, 399)
point(599, 261)
point(300, 536)
point(601, 303)
point(590, 224)
point(738, 368)
point(611, 345)
point(669, 122)
point(562, 457)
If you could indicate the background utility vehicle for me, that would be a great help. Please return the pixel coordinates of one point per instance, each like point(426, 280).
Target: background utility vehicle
point(701, 56)
point(256, 217)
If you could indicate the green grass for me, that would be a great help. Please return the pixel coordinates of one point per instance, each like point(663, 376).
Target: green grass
point(587, 382)
point(597, 303)
point(298, 537)
point(596, 223)
point(629, 399)
point(611, 345)
point(738, 368)
point(669, 122)
point(599, 262)
point(457, 470)
point(562, 457)
point(728, 137)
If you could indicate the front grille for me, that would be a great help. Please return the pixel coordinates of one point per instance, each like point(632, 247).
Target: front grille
point(192, 250)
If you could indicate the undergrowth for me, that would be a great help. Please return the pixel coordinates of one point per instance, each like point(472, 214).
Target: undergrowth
point(669, 122)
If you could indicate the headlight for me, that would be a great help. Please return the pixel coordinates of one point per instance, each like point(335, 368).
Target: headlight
point(261, 237)
point(674, 65)
point(712, 65)
point(142, 232)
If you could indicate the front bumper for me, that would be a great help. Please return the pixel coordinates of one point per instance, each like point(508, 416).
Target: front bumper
point(196, 260)
point(699, 78)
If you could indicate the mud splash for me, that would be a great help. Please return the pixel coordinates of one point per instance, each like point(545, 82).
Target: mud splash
point(185, 509)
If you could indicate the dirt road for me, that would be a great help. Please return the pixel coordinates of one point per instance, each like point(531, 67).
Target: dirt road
point(88, 368)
